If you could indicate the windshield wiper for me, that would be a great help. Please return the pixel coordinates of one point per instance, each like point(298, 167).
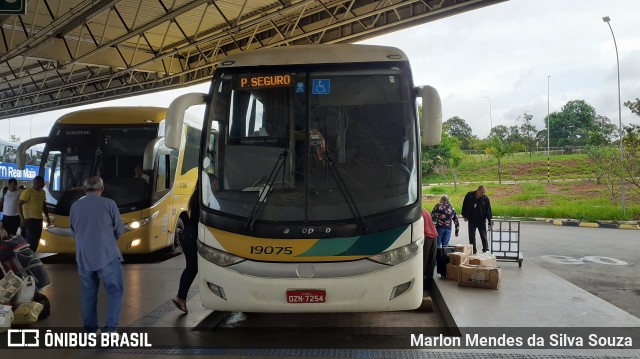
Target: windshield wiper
point(263, 195)
point(345, 190)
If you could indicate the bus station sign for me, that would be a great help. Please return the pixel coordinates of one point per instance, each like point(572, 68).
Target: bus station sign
point(10, 170)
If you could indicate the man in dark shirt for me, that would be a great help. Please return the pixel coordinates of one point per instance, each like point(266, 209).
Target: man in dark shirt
point(476, 210)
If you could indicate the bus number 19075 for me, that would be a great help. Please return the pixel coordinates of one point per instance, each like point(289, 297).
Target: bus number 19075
point(271, 250)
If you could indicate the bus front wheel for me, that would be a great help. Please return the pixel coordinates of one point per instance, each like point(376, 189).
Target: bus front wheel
point(176, 245)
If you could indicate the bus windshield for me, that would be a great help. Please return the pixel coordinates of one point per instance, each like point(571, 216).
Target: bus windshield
point(113, 153)
point(313, 144)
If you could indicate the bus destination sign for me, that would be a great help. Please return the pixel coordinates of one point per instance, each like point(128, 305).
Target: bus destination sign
point(255, 82)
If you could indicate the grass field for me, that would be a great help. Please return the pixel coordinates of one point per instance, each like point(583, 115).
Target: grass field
point(581, 198)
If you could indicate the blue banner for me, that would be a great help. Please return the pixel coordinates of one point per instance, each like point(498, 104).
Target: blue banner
point(10, 170)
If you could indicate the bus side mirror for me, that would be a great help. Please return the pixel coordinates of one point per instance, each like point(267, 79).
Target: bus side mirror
point(175, 117)
point(431, 116)
point(21, 156)
point(150, 152)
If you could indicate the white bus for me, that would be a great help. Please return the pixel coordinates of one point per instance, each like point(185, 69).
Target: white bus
point(310, 194)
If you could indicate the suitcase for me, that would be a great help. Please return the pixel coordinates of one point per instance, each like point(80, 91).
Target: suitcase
point(442, 258)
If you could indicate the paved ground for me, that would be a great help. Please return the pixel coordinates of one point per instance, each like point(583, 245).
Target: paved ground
point(605, 262)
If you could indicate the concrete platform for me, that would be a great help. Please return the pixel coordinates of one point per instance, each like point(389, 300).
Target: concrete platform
point(530, 297)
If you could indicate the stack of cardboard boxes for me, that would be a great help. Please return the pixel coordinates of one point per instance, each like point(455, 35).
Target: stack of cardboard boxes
point(473, 270)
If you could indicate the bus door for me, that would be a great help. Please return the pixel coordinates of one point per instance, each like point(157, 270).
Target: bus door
point(163, 199)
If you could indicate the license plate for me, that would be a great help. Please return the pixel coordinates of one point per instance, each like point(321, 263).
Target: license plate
point(306, 296)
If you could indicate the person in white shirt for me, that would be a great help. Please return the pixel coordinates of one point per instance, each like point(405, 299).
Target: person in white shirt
point(9, 199)
point(209, 188)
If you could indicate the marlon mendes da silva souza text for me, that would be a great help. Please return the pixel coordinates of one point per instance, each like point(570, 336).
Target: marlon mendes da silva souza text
point(505, 341)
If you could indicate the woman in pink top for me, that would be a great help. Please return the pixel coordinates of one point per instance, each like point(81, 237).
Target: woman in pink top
point(429, 249)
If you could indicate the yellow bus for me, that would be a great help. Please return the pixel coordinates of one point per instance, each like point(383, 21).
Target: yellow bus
point(315, 205)
point(150, 183)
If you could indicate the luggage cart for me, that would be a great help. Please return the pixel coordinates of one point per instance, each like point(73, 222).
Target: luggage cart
point(505, 240)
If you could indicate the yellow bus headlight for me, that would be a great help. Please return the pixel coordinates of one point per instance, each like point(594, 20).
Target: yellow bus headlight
point(140, 223)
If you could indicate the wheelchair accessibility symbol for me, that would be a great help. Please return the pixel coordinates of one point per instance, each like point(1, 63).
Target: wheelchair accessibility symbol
point(321, 87)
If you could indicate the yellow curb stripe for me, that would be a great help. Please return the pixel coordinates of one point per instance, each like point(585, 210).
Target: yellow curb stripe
point(557, 223)
point(589, 224)
point(629, 226)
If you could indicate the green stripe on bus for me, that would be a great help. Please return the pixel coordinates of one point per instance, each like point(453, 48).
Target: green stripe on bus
point(366, 245)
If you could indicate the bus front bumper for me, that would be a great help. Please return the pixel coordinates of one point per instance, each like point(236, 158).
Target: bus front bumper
point(371, 292)
point(59, 240)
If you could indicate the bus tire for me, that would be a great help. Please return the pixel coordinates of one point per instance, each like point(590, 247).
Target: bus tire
point(176, 245)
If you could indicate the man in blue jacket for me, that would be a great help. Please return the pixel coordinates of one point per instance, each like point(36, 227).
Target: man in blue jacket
point(96, 226)
point(476, 210)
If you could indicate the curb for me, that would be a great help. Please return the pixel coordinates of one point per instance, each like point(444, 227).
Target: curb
point(577, 223)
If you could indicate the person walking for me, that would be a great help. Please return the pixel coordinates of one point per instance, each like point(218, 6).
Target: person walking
point(476, 210)
point(31, 206)
point(96, 226)
point(9, 199)
point(190, 250)
point(445, 215)
point(429, 250)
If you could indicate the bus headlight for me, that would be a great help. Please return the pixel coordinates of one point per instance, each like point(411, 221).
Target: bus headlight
point(140, 223)
point(399, 255)
point(217, 257)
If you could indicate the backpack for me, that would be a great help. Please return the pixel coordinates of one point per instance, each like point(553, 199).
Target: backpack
point(4, 192)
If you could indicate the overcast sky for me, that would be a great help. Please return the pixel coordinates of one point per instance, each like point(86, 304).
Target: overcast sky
point(504, 52)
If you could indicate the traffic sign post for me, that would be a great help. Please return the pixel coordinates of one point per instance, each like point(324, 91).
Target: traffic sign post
point(13, 7)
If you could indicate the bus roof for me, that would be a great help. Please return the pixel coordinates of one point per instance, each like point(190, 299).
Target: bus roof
point(313, 54)
point(115, 115)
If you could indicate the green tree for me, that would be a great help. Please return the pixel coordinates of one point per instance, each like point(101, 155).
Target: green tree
point(500, 131)
point(458, 128)
point(602, 131)
point(575, 125)
point(528, 132)
point(499, 149)
point(541, 138)
point(443, 158)
point(514, 135)
point(634, 106)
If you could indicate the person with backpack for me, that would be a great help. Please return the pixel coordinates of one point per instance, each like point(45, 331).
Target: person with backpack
point(445, 216)
point(10, 207)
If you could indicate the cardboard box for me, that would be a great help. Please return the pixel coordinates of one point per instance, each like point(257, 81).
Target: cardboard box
point(479, 276)
point(483, 259)
point(465, 248)
point(457, 258)
point(453, 271)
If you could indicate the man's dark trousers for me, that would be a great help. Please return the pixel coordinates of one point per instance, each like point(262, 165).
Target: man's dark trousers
point(33, 231)
point(482, 229)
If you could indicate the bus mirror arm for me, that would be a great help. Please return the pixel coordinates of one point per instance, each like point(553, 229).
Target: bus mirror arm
point(431, 116)
point(21, 156)
point(150, 152)
point(175, 116)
